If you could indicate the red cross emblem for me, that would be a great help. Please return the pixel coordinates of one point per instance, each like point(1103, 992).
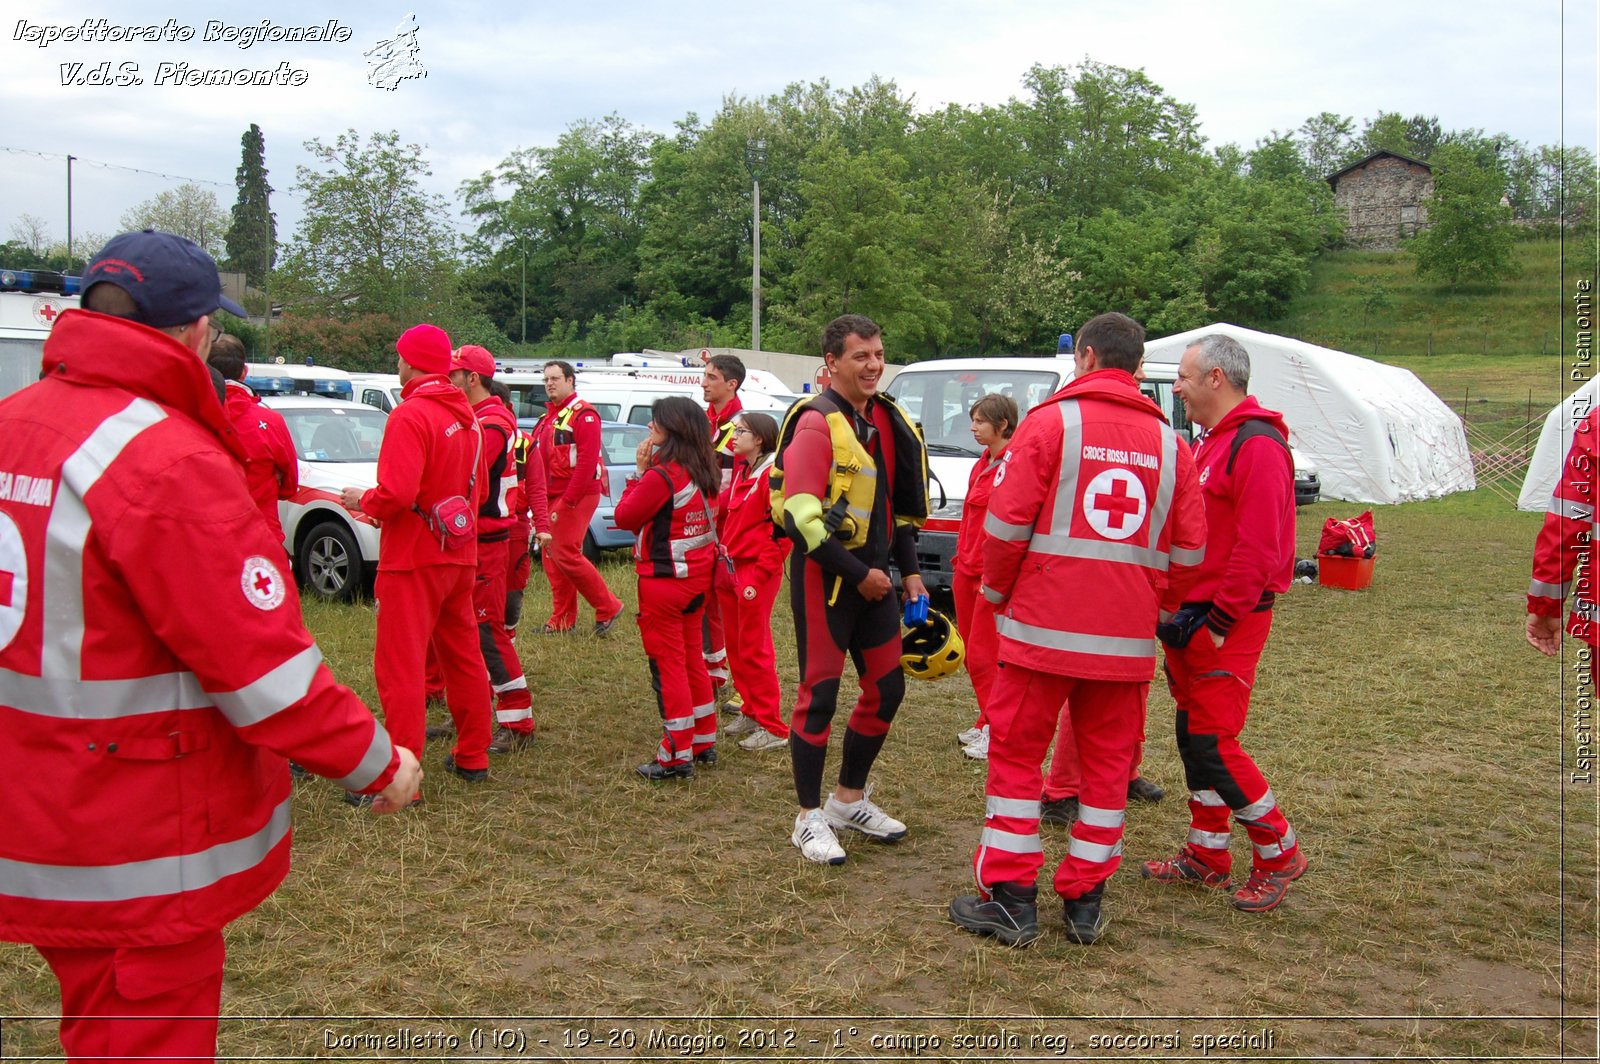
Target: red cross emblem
point(1114, 504)
point(47, 312)
point(261, 583)
point(1117, 504)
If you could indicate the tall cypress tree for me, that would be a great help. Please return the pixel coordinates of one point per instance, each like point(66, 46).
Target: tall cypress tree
point(253, 237)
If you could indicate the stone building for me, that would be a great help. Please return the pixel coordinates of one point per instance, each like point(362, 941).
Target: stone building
point(1383, 198)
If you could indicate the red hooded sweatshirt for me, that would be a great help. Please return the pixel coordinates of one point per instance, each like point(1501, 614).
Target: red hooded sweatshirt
point(426, 457)
point(1249, 517)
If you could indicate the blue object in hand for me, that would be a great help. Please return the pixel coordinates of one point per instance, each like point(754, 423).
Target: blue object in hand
point(916, 612)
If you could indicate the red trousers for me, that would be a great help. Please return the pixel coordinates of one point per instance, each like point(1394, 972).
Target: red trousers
point(975, 622)
point(569, 572)
point(669, 626)
point(713, 639)
point(1023, 713)
point(747, 612)
point(513, 707)
point(416, 606)
point(1212, 688)
point(1064, 778)
point(150, 1003)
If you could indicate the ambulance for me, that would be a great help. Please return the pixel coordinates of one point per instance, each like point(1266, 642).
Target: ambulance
point(30, 303)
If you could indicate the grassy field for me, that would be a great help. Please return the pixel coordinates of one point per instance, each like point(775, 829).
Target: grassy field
point(1416, 317)
point(1422, 750)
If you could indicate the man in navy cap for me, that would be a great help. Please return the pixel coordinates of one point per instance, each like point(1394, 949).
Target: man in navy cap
point(154, 672)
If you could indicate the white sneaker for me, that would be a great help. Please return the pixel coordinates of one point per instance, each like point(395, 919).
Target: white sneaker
point(816, 839)
point(978, 749)
point(967, 737)
point(761, 739)
point(865, 817)
point(743, 724)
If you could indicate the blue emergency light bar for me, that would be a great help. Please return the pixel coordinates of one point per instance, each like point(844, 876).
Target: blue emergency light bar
point(39, 281)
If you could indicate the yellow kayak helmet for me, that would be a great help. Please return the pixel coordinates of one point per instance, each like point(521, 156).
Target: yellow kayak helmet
point(932, 650)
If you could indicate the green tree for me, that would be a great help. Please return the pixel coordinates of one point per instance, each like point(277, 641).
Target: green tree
point(1469, 237)
point(371, 238)
point(188, 210)
point(1329, 144)
point(252, 239)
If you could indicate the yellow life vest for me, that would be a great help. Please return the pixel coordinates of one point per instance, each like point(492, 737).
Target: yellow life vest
point(846, 510)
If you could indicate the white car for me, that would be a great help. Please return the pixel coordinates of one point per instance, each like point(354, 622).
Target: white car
point(335, 552)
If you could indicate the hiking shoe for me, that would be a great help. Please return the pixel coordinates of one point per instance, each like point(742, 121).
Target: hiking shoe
point(602, 627)
point(761, 739)
point(707, 757)
point(1142, 790)
point(1265, 890)
point(733, 704)
point(655, 771)
point(298, 771)
point(471, 775)
point(743, 724)
point(816, 839)
point(1062, 811)
point(1083, 916)
point(1186, 868)
point(446, 730)
point(509, 740)
point(969, 736)
point(978, 749)
point(863, 816)
point(1010, 913)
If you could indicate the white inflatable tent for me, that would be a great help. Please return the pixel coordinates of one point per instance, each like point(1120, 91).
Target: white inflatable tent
point(1375, 432)
point(1555, 440)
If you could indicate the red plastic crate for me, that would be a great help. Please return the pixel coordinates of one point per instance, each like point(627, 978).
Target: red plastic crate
point(1353, 574)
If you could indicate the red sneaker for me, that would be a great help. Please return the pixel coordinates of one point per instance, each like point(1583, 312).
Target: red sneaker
point(1265, 890)
point(1186, 868)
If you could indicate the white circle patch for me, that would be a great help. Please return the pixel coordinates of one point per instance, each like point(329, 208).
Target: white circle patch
point(1114, 504)
point(13, 580)
point(262, 583)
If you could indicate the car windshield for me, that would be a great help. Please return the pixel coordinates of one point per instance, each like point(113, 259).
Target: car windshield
point(621, 442)
point(939, 400)
point(336, 434)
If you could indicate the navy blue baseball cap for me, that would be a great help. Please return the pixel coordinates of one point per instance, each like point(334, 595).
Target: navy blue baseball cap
point(169, 278)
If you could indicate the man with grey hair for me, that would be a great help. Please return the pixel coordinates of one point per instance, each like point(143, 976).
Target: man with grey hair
point(1215, 641)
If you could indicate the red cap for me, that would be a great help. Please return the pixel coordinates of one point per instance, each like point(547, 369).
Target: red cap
point(474, 358)
point(425, 347)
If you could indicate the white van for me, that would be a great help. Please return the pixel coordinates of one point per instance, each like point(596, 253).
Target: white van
point(380, 390)
point(30, 303)
point(939, 394)
point(627, 398)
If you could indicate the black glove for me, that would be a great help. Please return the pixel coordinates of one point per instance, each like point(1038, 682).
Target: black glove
point(1177, 632)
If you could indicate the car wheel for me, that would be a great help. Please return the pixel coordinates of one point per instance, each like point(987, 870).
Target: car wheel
point(591, 550)
point(331, 565)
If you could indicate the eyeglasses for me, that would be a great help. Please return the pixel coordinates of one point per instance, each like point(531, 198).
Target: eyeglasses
point(742, 431)
point(216, 330)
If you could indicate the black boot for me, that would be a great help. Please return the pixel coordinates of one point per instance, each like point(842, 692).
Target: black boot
point(1142, 790)
point(1084, 920)
point(1010, 913)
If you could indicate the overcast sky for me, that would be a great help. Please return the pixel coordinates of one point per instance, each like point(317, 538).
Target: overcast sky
point(499, 79)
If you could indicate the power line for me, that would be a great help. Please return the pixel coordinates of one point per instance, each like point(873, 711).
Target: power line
point(131, 169)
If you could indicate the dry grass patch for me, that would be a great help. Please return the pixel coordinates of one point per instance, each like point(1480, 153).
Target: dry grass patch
point(1415, 741)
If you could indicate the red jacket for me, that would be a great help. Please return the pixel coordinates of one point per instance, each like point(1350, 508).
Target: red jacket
point(969, 536)
point(532, 503)
point(673, 522)
point(426, 457)
point(1569, 533)
point(1249, 517)
point(497, 516)
point(744, 523)
point(568, 441)
point(271, 467)
point(1095, 524)
point(154, 671)
point(722, 426)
